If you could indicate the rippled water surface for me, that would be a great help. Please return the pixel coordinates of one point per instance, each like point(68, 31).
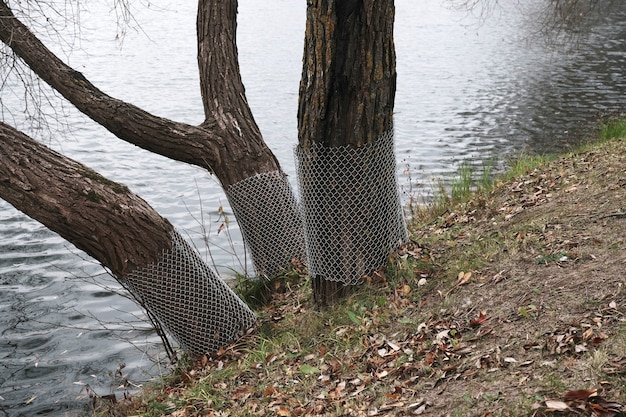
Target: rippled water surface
point(466, 92)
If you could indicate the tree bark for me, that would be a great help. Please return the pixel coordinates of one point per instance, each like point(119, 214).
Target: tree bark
point(101, 217)
point(263, 203)
point(347, 93)
point(348, 83)
point(228, 143)
point(218, 145)
point(120, 230)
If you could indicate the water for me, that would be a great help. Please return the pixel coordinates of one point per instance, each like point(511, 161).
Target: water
point(466, 92)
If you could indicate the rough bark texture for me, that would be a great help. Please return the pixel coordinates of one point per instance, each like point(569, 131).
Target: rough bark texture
point(120, 230)
point(98, 216)
point(228, 143)
point(270, 221)
point(348, 85)
point(223, 94)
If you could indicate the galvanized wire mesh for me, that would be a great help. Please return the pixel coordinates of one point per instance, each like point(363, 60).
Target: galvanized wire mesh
point(351, 208)
point(269, 218)
point(189, 300)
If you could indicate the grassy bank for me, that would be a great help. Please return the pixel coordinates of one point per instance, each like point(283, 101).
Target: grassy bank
point(509, 299)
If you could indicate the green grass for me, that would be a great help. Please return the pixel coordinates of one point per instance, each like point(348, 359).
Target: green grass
point(295, 344)
point(472, 182)
point(613, 128)
point(467, 182)
point(524, 164)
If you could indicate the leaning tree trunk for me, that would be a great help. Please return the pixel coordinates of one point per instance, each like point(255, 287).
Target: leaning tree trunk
point(228, 143)
point(141, 249)
point(263, 203)
point(346, 167)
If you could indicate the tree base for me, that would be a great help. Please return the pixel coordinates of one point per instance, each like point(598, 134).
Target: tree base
point(326, 292)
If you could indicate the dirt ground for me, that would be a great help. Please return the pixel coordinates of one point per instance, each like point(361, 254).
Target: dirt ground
point(551, 290)
point(512, 304)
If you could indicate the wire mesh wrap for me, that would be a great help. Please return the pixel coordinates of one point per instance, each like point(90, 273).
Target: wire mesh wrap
point(270, 222)
point(190, 300)
point(351, 208)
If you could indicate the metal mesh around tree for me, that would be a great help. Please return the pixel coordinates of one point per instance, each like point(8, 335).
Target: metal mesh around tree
point(351, 208)
point(190, 300)
point(270, 222)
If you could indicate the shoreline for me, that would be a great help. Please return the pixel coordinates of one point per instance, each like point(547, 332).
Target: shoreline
point(505, 304)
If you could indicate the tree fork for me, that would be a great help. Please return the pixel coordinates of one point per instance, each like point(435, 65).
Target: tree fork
point(221, 147)
point(228, 143)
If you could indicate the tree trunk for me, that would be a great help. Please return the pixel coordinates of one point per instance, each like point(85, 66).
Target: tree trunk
point(120, 230)
point(348, 83)
point(347, 94)
point(263, 203)
point(227, 144)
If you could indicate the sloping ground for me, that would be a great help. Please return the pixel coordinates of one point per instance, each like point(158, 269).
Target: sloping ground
point(512, 304)
point(552, 285)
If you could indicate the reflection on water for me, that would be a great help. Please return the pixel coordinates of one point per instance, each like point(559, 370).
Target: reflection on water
point(466, 91)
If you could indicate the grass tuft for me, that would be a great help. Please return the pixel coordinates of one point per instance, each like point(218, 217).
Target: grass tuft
point(613, 128)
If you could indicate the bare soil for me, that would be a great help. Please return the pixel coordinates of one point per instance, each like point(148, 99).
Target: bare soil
point(552, 287)
point(512, 304)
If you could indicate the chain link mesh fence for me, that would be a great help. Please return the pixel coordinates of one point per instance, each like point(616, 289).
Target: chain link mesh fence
point(352, 217)
point(351, 208)
point(190, 300)
point(270, 222)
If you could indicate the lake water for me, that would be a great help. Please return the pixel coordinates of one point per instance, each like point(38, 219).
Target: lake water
point(466, 92)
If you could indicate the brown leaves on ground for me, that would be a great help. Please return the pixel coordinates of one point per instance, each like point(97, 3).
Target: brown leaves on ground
point(549, 253)
point(513, 304)
point(580, 402)
point(376, 375)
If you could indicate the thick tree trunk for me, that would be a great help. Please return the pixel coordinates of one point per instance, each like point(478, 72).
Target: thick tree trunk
point(120, 230)
point(228, 143)
point(347, 94)
point(263, 203)
point(348, 83)
point(101, 217)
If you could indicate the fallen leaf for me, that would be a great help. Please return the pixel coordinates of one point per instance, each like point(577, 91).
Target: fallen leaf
point(444, 334)
point(479, 320)
point(598, 339)
point(580, 348)
point(580, 394)
point(464, 277)
point(382, 374)
point(283, 411)
point(241, 393)
point(430, 358)
point(322, 350)
point(554, 405)
point(308, 369)
point(353, 317)
point(356, 381)
point(393, 346)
